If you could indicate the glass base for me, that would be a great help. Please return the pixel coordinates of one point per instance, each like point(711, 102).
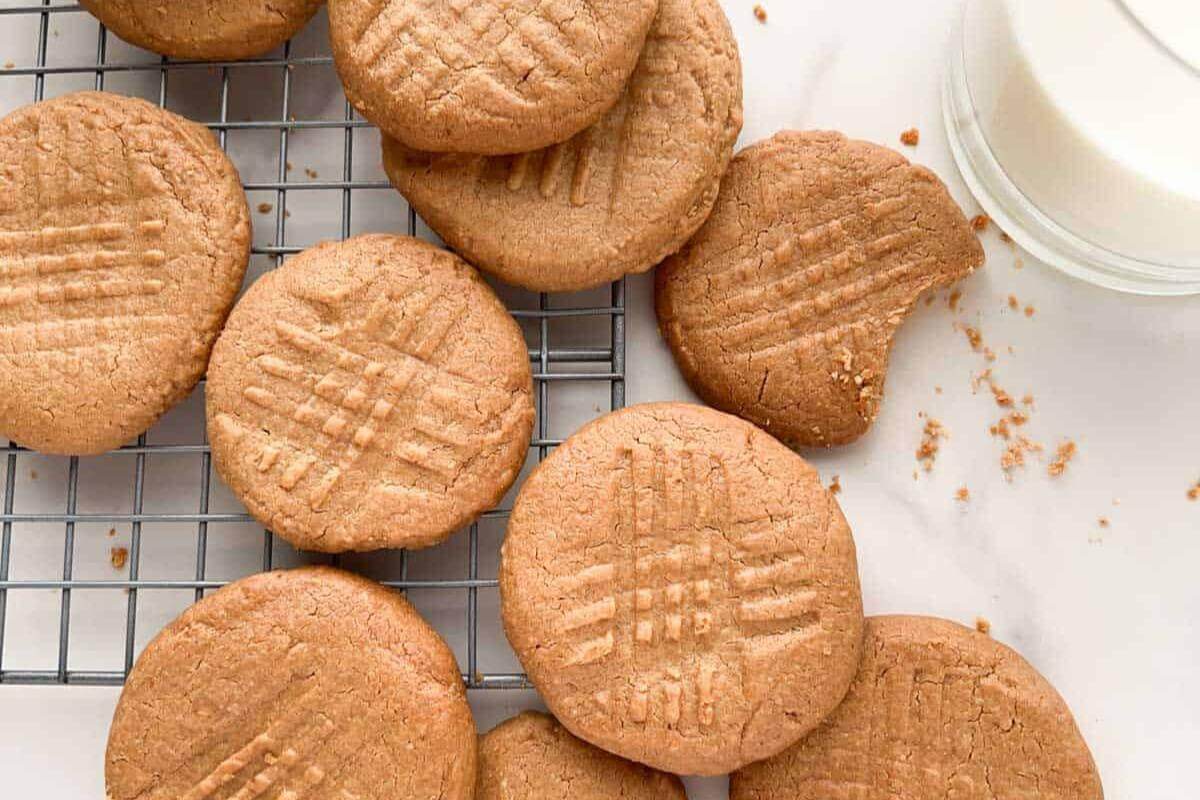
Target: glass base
point(1032, 229)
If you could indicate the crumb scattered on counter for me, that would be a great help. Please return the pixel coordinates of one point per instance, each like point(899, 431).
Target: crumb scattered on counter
point(937, 390)
point(9, 65)
point(760, 13)
point(963, 495)
point(287, 214)
point(265, 208)
point(33, 474)
point(835, 485)
point(1004, 237)
point(1027, 400)
point(1013, 303)
point(931, 438)
point(1014, 455)
point(112, 532)
point(287, 166)
point(983, 626)
point(1019, 264)
point(910, 138)
point(1104, 522)
point(974, 337)
point(1030, 311)
point(1065, 454)
point(980, 222)
point(119, 557)
point(1194, 492)
point(311, 173)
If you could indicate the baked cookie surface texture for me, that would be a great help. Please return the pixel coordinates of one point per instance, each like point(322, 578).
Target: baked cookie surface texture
point(783, 307)
point(681, 589)
point(617, 198)
point(937, 711)
point(124, 237)
point(486, 76)
point(310, 683)
point(370, 393)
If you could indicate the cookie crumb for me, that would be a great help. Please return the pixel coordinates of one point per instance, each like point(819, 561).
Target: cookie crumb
point(1065, 454)
point(760, 13)
point(1019, 264)
point(33, 474)
point(1030, 311)
point(1194, 492)
point(952, 301)
point(265, 208)
point(9, 65)
point(1004, 237)
point(963, 495)
point(974, 337)
point(1014, 455)
point(311, 173)
point(1104, 522)
point(931, 438)
point(119, 557)
point(937, 390)
point(983, 626)
point(112, 532)
point(287, 166)
point(1013, 303)
point(835, 485)
point(287, 214)
point(1027, 400)
point(980, 222)
point(910, 138)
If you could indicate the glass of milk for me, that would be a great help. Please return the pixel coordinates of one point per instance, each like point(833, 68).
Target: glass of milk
point(1076, 124)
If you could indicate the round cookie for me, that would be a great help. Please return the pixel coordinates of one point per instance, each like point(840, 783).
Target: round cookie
point(204, 29)
point(371, 393)
point(532, 757)
point(937, 711)
point(783, 307)
point(124, 237)
point(486, 76)
point(681, 589)
point(617, 198)
point(312, 682)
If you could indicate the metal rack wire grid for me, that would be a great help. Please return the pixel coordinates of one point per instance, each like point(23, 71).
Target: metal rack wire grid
point(96, 554)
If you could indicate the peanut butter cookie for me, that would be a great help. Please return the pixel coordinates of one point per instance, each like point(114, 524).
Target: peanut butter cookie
point(937, 711)
point(370, 393)
point(617, 198)
point(205, 29)
point(682, 589)
point(309, 683)
point(124, 237)
point(783, 307)
point(486, 76)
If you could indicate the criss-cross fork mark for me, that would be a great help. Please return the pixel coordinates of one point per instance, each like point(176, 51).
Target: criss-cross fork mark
point(371, 367)
point(678, 576)
point(282, 755)
point(806, 292)
point(402, 37)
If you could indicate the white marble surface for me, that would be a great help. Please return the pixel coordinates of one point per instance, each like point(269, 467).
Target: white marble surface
point(1109, 615)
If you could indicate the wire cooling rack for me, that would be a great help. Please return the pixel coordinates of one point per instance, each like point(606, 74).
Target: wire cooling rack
point(96, 554)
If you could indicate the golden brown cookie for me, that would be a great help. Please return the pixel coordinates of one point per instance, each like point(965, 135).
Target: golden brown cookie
point(486, 76)
point(205, 29)
point(783, 307)
point(371, 393)
point(617, 198)
point(124, 236)
point(682, 589)
point(937, 711)
point(532, 757)
point(310, 683)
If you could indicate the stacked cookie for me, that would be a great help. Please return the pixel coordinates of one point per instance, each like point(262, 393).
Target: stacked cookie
point(555, 145)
